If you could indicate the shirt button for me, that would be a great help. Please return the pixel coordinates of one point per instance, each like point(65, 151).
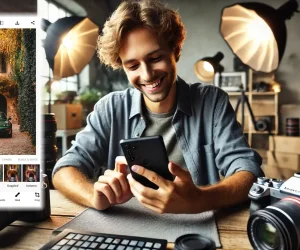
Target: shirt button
point(137, 134)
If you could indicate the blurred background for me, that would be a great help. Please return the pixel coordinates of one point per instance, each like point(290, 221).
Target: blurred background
point(274, 96)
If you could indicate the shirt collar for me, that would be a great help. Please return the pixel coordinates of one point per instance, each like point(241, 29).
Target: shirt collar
point(136, 106)
point(183, 99)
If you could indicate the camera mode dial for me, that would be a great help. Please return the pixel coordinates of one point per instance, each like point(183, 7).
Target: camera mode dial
point(277, 183)
point(262, 180)
point(258, 190)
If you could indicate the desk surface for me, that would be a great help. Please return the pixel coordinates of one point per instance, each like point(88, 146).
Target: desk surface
point(24, 235)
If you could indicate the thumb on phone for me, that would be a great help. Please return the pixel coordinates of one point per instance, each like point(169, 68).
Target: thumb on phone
point(121, 165)
point(179, 173)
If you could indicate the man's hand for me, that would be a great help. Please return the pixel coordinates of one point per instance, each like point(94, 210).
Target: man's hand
point(112, 187)
point(178, 196)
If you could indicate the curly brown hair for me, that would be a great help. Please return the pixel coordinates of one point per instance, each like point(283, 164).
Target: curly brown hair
point(165, 22)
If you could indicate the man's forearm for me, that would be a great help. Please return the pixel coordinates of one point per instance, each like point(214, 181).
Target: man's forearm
point(230, 191)
point(74, 185)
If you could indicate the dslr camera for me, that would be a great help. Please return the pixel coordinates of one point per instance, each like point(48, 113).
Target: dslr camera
point(274, 221)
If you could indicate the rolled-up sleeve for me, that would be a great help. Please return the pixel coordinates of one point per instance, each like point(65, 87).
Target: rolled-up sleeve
point(89, 150)
point(232, 150)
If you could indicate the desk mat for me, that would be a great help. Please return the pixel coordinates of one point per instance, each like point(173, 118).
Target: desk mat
point(132, 218)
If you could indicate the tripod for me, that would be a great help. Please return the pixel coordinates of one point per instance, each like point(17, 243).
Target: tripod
point(243, 99)
point(260, 125)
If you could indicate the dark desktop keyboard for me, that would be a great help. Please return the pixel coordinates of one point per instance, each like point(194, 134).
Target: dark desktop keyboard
point(76, 240)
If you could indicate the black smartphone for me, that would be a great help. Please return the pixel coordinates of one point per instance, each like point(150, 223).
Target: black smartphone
point(149, 152)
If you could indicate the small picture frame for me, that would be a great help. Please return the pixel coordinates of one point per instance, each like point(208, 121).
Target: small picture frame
point(231, 81)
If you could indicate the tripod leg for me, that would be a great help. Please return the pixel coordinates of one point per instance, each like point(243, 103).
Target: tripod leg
point(243, 110)
point(251, 112)
point(237, 105)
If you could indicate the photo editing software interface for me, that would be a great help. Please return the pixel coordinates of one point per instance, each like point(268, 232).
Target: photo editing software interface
point(21, 179)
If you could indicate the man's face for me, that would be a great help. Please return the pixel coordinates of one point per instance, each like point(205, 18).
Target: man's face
point(149, 65)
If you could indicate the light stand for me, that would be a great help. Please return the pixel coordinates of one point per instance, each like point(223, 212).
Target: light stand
point(260, 125)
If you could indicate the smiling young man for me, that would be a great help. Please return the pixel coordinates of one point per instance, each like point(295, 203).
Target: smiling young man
point(197, 123)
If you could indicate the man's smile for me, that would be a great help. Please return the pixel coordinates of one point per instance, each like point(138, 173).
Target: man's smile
point(152, 87)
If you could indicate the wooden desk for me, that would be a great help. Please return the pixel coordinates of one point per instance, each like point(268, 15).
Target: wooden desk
point(24, 235)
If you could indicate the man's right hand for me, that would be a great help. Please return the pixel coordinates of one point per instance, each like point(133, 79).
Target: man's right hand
point(112, 187)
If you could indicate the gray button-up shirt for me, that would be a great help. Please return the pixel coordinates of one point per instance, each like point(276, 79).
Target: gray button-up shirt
point(205, 124)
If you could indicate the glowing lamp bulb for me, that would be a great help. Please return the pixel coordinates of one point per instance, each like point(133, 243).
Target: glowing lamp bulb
point(68, 42)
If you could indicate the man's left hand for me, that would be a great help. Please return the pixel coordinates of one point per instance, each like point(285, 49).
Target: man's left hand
point(178, 196)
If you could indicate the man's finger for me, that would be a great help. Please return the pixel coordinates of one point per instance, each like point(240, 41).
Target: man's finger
point(138, 188)
point(104, 189)
point(121, 164)
point(150, 175)
point(122, 179)
point(179, 172)
point(114, 184)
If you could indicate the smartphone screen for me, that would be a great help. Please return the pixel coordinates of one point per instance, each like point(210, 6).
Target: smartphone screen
point(20, 156)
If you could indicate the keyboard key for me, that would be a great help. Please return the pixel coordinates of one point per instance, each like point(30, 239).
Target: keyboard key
point(70, 236)
point(92, 238)
point(111, 247)
point(157, 245)
point(56, 247)
point(93, 245)
point(125, 242)
point(65, 247)
point(141, 243)
point(71, 242)
point(103, 246)
point(133, 243)
point(117, 241)
point(120, 247)
point(109, 240)
point(85, 244)
point(129, 248)
point(62, 242)
point(149, 244)
point(99, 239)
point(78, 236)
point(79, 243)
point(85, 237)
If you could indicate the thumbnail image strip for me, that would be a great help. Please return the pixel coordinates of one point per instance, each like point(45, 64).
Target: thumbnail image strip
point(12, 173)
point(31, 173)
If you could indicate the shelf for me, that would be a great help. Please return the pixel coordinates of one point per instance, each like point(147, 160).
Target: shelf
point(264, 93)
point(253, 93)
point(262, 132)
point(236, 93)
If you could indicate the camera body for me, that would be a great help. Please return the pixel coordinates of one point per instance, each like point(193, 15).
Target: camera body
point(267, 191)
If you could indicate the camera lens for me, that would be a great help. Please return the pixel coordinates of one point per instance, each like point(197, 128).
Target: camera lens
point(267, 234)
point(49, 145)
point(261, 125)
point(277, 226)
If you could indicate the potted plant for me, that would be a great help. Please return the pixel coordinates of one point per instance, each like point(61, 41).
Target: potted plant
point(88, 99)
